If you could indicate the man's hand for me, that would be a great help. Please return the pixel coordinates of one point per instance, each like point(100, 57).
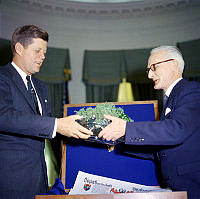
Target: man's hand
point(68, 126)
point(114, 130)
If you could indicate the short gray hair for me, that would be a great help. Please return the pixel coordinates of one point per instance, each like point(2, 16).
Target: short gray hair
point(173, 52)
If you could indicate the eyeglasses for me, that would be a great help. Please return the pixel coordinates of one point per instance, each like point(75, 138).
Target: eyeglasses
point(153, 66)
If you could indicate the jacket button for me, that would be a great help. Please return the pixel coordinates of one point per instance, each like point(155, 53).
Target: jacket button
point(162, 154)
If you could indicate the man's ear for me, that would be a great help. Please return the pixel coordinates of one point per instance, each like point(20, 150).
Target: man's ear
point(177, 68)
point(18, 48)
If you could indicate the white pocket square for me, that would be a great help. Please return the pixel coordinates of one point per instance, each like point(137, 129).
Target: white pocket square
point(167, 110)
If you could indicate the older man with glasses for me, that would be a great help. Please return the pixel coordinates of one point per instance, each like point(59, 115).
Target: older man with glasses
point(175, 139)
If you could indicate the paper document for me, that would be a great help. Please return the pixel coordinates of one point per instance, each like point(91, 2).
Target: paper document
point(92, 184)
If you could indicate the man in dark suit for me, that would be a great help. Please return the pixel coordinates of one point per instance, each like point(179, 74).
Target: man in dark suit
point(175, 139)
point(26, 119)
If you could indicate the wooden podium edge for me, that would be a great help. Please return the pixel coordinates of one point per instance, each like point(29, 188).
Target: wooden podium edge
point(149, 195)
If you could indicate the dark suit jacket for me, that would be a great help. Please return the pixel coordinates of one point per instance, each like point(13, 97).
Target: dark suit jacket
point(175, 138)
point(22, 136)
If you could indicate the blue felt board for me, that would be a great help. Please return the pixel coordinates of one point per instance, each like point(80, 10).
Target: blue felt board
point(94, 158)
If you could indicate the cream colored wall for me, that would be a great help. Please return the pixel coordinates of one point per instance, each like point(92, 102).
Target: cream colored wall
point(79, 34)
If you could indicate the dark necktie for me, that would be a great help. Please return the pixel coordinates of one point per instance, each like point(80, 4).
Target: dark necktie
point(32, 93)
point(165, 98)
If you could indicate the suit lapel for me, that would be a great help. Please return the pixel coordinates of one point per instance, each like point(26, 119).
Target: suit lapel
point(16, 78)
point(177, 88)
point(172, 98)
point(42, 98)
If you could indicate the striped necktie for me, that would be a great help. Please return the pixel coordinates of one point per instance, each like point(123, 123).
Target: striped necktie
point(32, 93)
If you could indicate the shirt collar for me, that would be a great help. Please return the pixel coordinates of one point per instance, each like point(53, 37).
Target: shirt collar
point(169, 90)
point(21, 73)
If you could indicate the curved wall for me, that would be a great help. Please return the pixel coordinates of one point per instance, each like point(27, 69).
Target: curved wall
point(102, 33)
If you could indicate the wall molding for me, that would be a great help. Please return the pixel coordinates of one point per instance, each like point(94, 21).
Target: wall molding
point(99, 10)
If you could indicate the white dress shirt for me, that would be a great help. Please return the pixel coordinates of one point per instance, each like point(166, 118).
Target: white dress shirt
point(23, 76)
point(169, 90)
